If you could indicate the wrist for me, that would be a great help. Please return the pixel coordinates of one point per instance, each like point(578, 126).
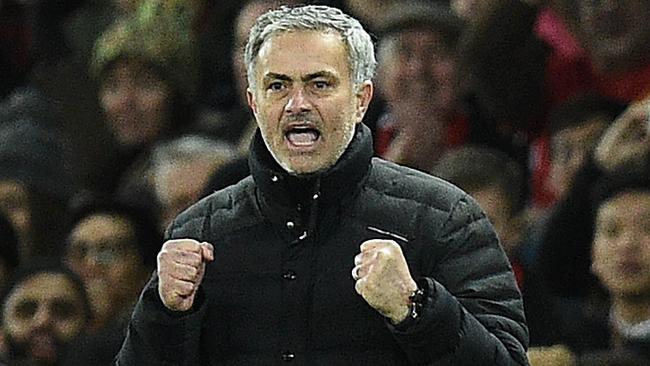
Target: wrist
point(412, 307)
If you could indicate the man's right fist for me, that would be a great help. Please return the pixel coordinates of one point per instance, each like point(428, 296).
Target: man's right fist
point(181, 266)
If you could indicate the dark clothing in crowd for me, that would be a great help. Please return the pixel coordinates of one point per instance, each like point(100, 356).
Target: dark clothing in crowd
point(280, 286)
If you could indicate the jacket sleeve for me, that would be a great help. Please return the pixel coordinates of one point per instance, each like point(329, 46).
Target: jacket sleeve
point(473, 310)
point(157, 336)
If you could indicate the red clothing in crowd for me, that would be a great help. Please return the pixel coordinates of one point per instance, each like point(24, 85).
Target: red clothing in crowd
point(569, 72)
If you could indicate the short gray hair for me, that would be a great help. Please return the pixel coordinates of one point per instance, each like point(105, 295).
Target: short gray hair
point(360, 49)
point(186, 149)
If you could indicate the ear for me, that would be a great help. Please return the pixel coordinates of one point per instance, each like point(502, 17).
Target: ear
point(250, 98)
point(364, 96)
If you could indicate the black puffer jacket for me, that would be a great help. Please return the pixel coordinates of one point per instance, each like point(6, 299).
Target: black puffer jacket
point(280, 288)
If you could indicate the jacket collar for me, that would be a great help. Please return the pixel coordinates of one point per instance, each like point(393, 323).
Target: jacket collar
point(281, 188)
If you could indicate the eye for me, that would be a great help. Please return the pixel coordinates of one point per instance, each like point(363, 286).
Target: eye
point(276, 86)
point(321, 84)
point(63, 309)
point(26, 309)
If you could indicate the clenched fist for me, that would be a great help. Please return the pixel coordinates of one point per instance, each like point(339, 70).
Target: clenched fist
point(181, 266)
point(383, 278)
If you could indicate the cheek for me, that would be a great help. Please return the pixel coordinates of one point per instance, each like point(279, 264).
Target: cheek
point(152, 100)
point(125, 271)
point(600, 258)
point(17, 328)
point(109, 103)
point(443, 71)
point(69, 329)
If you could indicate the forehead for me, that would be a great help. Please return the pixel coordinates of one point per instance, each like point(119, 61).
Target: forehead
point(632, 204)
point(303, 52)
point(45, 286)
point(99, 225)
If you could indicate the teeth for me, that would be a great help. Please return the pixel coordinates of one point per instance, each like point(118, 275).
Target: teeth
point(302, 136)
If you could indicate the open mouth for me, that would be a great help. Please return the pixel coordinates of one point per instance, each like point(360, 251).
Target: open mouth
point(302, 135)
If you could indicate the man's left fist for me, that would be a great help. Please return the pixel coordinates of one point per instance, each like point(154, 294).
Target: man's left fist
point(383, 278)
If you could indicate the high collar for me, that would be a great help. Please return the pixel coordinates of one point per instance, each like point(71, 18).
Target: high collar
point(281, 188)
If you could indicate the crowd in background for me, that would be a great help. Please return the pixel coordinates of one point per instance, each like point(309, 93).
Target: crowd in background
point(116, 115)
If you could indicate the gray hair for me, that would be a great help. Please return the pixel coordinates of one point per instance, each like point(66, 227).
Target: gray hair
point(361, 52)
point(187, 149)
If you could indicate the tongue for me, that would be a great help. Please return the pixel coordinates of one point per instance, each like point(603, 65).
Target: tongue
point(302, 137)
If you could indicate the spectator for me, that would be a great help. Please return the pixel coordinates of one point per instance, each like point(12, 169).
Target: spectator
point(144, 67)
point(43, 310)
point(417, 54)
point(567, 243)
point(35, 186)
point(110, 243)
point(575, 127)
point(180, 170)
point(618, 332)
point(567, 240)
point(112, 247)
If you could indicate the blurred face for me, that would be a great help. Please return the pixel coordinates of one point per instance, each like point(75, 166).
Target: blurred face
point(102, 251)
point(136, 103)
point(621, 251)
point(41, 315)
point(181, 185)
point(569, 148)
point(304, 101)
point(615, 31)
point(416, 67)
point(14, 202)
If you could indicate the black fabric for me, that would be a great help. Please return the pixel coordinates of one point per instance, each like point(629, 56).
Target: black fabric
point(280, 286)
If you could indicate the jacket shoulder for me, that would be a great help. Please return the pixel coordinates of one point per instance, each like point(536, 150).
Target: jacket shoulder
point(228, 209)
point(402, 182)
point(422, 198)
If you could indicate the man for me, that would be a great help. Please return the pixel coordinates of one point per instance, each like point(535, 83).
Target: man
point(259, 273)
point(617, 329)
point(575, 127)
point(417, 54)
point(180, 170)
point(45, 308)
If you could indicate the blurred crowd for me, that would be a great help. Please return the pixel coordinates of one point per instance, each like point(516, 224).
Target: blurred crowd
point(116, 115)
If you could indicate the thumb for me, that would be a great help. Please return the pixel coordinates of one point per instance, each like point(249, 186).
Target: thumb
point(207, 252)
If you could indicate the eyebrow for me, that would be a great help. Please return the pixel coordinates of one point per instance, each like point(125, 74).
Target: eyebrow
point(319, 74)
point(308, 77)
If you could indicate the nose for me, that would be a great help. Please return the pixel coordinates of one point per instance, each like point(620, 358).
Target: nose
point(91, 265)
point(298, 102)
point(43, 316)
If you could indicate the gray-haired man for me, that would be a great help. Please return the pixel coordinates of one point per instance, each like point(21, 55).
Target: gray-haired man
point(259, 273)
